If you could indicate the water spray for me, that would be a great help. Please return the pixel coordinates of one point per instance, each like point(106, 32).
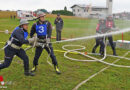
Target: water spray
point(95, 36)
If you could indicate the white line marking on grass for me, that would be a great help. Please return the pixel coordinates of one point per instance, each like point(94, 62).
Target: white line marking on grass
point(85, 81)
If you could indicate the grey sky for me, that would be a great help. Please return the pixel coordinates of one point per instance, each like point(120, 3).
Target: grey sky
point(119, 5)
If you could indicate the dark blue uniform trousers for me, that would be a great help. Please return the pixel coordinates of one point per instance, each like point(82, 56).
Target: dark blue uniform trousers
point(99, 41)
point(58, 35)
point(111, 42)
point(10, 53)
point(38, 53)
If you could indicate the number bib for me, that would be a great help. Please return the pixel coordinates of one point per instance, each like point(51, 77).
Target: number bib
point(109, 24)
point(25, 33)
point(41, 30)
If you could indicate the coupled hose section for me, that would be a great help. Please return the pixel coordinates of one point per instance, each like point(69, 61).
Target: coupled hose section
point(93, 59)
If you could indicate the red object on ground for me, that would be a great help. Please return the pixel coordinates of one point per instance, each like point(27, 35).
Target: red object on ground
point(1, 78)
point(2, 81)
point(85, 53)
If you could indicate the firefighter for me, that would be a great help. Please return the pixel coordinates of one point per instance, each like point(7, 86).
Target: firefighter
point(13, 47)
point(59, 26)
point(43, 29)
point(110, 25)
point(101, 26)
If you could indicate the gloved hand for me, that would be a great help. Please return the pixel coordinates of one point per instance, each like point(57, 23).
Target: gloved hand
point(32, 40)
point(112, 29)
point(39, 44)
point(115, 29)
point(99, 32)
point(48, 40)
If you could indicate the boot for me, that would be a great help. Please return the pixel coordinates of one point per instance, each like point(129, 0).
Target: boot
point(34, 68)
point(100, 51)
point(102, 54)
point(93, 51)
point(57, 69)
point(114, 53)
point(27, 73)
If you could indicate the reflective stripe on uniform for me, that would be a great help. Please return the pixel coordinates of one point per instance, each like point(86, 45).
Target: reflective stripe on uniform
point(15, 46)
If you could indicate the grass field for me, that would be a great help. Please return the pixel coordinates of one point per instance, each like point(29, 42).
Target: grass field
point(72, 72)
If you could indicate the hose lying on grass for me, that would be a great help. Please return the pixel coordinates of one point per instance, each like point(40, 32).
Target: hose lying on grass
point(93, 58)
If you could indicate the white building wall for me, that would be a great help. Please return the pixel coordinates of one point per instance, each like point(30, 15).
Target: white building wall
point(82, 12)
point(102, 11)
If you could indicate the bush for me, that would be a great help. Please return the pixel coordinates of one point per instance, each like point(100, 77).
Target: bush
point(63, 12)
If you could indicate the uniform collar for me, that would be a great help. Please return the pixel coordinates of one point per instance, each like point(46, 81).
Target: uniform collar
point(38, 22)
point(59, 18)
point(24, 30)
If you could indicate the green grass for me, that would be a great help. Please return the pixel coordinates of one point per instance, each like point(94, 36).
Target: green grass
point(72, 72)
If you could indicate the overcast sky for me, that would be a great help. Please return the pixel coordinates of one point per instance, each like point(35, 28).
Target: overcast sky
point(118, 6)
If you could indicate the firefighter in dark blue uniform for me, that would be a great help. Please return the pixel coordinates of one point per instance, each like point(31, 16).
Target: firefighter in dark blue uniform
point(101, 26)
point(13, 47)
point(43, 29)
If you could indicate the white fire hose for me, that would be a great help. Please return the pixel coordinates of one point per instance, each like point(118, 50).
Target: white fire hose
point(93, 58)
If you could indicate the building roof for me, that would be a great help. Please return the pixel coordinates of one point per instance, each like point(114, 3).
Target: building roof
point(84, 6)
point(80, 5)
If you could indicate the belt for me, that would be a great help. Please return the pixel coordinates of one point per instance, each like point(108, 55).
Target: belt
point(42, 40)
point(41, 44)
point(15, 46)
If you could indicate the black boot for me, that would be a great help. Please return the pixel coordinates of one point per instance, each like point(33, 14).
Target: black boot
point(57, 69)
point(100, 51)
point(34, 68)
point(114, 53)
point(93, 51)
point(27, 73)
point(102, 54)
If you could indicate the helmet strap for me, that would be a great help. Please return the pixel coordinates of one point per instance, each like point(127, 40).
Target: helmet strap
point(40, 21)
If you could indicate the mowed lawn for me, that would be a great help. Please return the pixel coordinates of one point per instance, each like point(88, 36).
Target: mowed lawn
point(72, 72)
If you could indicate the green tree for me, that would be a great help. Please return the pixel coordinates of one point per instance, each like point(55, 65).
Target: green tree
point(65, 8)
point(63, 12)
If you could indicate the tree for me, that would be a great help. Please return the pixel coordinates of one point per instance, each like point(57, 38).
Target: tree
point(63, 12)
point(65, 8)
point(42, 10)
